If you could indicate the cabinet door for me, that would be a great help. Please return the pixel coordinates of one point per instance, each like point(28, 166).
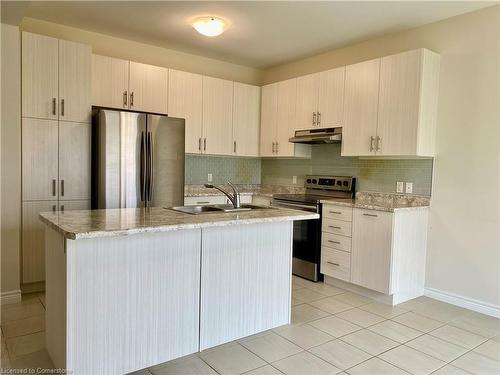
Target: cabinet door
point(148, 86)
point(39, 159)
point(287, 91)
point(268, 117)
point(360, 108)
point(39, 76)
point(185, 101)
point(331, 98)
point(74, 160)
point(75, 77)
point(307, 101)
point(217, 116)
point(33, 240)
point(372, 249)
point(109, 82)
point(399, 103)
point(246, 119)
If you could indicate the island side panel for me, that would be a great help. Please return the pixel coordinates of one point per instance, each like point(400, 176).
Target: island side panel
point(133, 301)
point(246, 280)
point(55, 297)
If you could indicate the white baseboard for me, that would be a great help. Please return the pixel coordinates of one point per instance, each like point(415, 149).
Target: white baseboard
point(12, 296)
point(461, 301)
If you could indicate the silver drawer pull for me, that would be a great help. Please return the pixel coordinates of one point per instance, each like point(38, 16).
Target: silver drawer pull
point(334, 227)
point(372, 215)
point(203, 202)
point(334, 264)
point(336, 212)
point(337, 242)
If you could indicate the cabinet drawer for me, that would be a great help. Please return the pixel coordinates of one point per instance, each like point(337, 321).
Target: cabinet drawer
point(336, 263)
point(336, 241)
point(337, 227)
point(337, 212)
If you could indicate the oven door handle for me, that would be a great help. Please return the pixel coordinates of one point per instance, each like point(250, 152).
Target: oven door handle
point(295, 205)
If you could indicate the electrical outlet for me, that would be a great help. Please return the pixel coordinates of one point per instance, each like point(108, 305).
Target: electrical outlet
point(399, 187)
point(209, 177)
point(409, 187)
point(294, 180)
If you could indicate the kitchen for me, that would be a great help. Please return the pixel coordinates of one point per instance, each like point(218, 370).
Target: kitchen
point(397, 283)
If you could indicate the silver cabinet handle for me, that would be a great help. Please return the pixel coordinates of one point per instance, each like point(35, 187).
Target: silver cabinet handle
point(53, 208)
point(203, 202)
point(372, 139)
point(335, 242)
point(62, 207)
point(204, 144)
point(335, 264)
point(334, 227)
point(54, 187)
point(62, 107)
point(125, 98)
point(62, 188)
point(379, 143)
point(54, 101)
point(318, 121)
point(274, 149)
point(131, 99)
point(234, 147)
point(199, 144)
point(336, 212)
point(314, 118)
point(371, 215)
point(277, 147)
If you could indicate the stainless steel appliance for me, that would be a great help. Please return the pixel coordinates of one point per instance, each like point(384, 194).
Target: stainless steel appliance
point(307, 233)
point(137, 159)
point(315, 136)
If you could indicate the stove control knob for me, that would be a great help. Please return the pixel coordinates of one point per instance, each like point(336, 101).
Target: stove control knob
point(346, 183)
point(339, 183)
point(308, 180)
point(314, 181)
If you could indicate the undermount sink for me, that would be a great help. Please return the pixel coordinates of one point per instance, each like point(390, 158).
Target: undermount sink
point(223, 208)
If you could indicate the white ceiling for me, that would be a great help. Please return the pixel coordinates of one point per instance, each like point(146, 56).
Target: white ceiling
point(261, 34)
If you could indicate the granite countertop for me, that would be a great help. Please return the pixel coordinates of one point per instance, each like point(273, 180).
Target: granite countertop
point(125, 221)
point(383, 201)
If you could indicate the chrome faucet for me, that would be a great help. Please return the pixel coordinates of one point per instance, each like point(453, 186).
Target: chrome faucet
point(235, 198)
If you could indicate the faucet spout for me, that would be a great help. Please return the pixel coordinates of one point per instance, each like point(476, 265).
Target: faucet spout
point(235, 198)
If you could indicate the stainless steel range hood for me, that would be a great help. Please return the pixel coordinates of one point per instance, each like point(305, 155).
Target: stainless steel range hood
point(317, 136)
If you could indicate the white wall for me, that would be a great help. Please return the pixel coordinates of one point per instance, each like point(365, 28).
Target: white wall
point(11, 158)
point(464, 238)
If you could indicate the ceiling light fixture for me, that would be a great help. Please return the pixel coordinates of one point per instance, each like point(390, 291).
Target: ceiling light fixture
point(210, 26)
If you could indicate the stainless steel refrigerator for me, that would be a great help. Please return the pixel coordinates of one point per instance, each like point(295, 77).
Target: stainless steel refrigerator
point(137, 159)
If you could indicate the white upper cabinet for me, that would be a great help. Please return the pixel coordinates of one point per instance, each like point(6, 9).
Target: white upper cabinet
point(75, 77)
point(185, 101)
point(109, 82)
point(331, 98)
point(217, 116)
point(148, 87)
point(307, 101)
point(268, 117)
point(39, 76)
point(285, 119)
point(408, 103)
point(246, 119)
point(359, 126)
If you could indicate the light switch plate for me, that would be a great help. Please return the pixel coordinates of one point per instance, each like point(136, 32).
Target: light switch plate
point(399, 187)
point(294, 180)
point(409, 187)
point(209, 177)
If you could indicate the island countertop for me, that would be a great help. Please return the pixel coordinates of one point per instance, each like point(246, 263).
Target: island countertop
point(126, 221)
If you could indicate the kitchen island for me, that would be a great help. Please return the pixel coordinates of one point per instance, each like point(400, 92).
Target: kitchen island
point(130, 288)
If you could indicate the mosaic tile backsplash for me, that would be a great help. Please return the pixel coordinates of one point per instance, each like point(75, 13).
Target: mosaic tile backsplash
point(372, 174)
point(235, 169)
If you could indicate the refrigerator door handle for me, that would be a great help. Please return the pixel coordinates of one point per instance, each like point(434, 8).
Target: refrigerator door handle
point(143, 167)
point(150, 166)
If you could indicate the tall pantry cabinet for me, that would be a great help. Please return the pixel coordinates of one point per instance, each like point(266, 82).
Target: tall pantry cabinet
point(56, 88)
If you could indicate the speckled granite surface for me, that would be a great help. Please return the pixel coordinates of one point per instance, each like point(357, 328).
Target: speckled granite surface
point(383, 201)
point(125, 221)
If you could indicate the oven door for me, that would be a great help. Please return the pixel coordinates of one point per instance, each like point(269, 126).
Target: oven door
point(306, 241)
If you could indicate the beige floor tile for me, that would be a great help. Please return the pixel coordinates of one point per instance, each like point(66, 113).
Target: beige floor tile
point(412, 360)
point(42, 300)
point(458, 336)
point(370, 342)
point(265, 370)
point(141, 372)
point(386, 311)
point(296, 302)
point(479, 324)
point(272, 347)
point(325, 289)
point(353, 299)
point(306, 313)
point(395, 331)
point(360, 317)
point(450, 370)
point(189, 366)
point(251, 337)
point(305, 363)
point(340, 354)
point(25, 326)
point(335, 326)
point(489, 349)
point(39, 359)
point(441, 311)
point(22, 310)
point(23, 345)
point(306, 295)
point(477, 364)
point(416, 303)
point(437, 348)
point(331, 305)
point(418, 322)
point(299, 281)
point(375, 366)
point(496, 338)
point(231, 359)
point(303, 335)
